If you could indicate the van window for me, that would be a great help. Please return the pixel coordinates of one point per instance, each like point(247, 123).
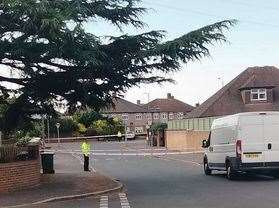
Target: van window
point(223, 135)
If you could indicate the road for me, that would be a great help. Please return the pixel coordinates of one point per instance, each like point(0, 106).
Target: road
point(169, 180)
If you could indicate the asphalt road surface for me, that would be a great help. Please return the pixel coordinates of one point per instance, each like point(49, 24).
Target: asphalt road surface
point(169, 181)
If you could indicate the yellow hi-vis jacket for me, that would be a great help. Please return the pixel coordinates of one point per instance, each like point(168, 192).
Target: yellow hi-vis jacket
point(85, 148)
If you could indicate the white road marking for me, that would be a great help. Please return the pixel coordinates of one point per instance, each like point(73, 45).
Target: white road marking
point(129, 153)
point(124, 201)
point(124, 150)
point(104, 202)
point(179, 160)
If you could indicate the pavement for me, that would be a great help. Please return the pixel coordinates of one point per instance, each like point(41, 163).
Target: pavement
point(68, 182)
point(166, 181)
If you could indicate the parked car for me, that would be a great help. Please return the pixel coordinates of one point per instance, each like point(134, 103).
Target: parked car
point(130, 135)
point(243, 142)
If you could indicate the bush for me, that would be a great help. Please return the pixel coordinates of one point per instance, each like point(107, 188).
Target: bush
point(107, 126)
point(81, 129)
point(158, 127)
point(67, 126)
point(117, 126)
point(36, 130)
point(101, 127)
point(87, 118)
point(22, 142)
point(32, 129)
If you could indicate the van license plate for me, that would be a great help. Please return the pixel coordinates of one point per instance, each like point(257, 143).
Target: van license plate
point(251, 155)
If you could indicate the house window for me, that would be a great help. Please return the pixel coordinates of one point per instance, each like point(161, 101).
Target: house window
point(149, 116)
point(164, 116)
point(139, 116)
point(171, 116)
point(180, 115)
point(258, 94)
point(125, 117)
point(156, 116)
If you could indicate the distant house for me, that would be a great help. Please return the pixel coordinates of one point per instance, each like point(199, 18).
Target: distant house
point(133, 115)
point(255, 89)
point(139, 116)
point(165, 109)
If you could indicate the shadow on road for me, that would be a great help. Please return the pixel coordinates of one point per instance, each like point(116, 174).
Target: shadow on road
point(247, 177)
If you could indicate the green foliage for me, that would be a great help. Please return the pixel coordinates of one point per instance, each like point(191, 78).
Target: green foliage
point(44, 42)
point(117, 126)
point(87, 118)
point(158, 127)
point(101, 127)
point(107, 127)
point(87, 123)
point(28, 130)
point(81, 129)
point(67, 126)
point(35, 129)
point(23, 141)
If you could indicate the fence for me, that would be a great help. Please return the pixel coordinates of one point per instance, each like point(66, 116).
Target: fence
point(196, 124)
point(13, 153)
point(185, 140)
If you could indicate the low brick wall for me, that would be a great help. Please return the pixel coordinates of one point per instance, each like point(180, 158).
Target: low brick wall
point(185, 140)
point(19, 175)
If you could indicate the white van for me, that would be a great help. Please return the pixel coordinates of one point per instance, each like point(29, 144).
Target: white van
point(243, 142)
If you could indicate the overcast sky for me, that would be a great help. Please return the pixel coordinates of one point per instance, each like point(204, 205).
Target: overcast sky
point(253, 42)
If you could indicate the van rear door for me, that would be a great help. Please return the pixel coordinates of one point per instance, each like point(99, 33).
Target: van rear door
point(251, 128)
point(271, 137)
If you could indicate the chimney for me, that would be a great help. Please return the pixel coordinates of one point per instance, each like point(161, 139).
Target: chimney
point(138, 102)
point(169, 96)
point(197, 105)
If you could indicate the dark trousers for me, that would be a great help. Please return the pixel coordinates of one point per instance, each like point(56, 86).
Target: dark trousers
point(86, 163)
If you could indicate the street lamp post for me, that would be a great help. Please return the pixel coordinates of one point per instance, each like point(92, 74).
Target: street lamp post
point(57, 127)
point(147, 134)
point(125, 130)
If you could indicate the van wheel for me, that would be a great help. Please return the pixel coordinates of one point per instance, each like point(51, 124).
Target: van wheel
point(206, 168)
point(231, 174)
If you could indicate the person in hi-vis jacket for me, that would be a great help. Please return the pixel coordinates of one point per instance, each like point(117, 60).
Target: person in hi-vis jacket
point(85, 148)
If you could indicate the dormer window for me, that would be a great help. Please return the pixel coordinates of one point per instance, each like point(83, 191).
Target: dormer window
point(258, 94)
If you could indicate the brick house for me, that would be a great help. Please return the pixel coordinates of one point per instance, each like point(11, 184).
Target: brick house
point(165, 109)
point(138, 116)
point(132, 114)
point(255, 89)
